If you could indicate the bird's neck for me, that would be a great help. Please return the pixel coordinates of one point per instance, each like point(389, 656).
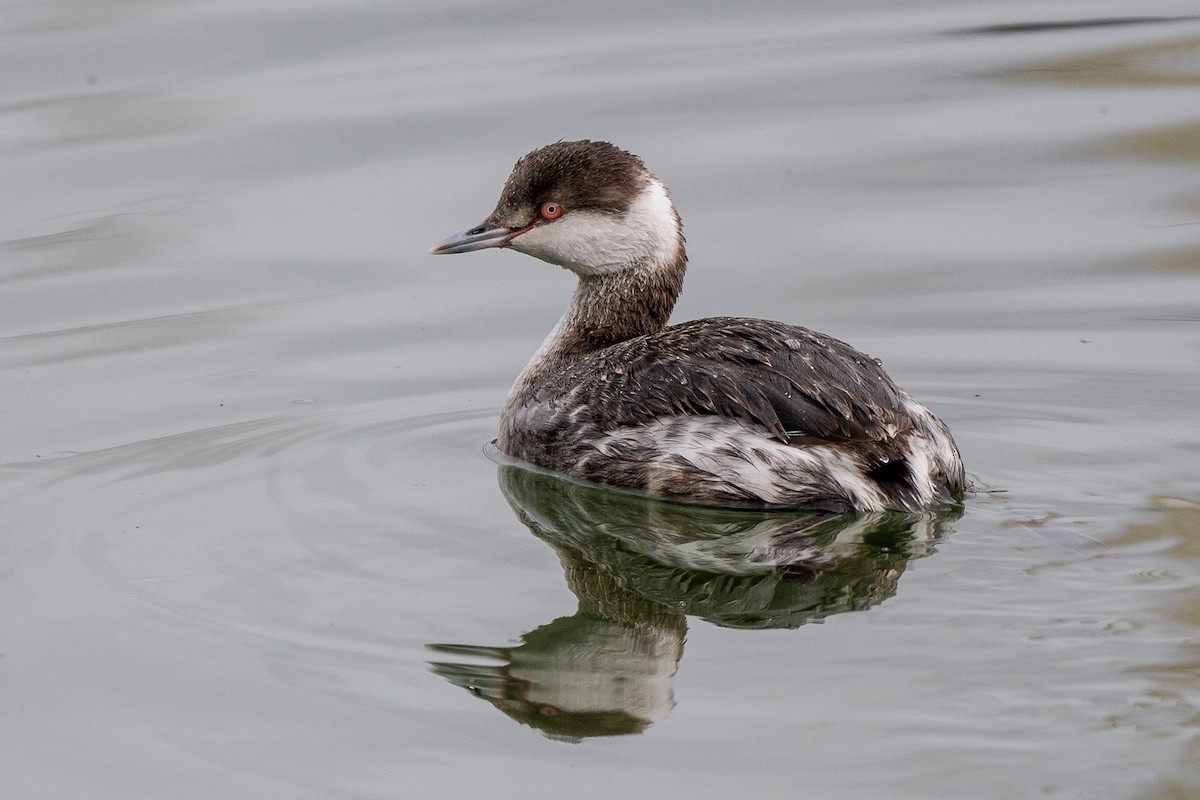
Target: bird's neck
point(605, 310)
point(615, 306)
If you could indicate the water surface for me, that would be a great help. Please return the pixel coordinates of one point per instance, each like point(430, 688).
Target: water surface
point(251, 544)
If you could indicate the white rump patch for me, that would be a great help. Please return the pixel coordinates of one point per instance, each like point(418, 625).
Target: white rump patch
point(742, 458)
point(734, 459)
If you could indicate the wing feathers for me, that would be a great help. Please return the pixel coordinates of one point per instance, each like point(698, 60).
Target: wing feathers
point(797, 384)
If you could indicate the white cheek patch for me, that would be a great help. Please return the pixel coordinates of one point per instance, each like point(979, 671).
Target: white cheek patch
point(583, 241)
point(594, 243)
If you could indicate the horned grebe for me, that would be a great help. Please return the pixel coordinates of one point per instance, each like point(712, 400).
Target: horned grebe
point(724, 411)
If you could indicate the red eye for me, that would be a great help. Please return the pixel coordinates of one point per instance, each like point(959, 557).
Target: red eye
point(550, 210)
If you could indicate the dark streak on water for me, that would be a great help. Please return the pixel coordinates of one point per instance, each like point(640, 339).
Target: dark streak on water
point(1069, 25)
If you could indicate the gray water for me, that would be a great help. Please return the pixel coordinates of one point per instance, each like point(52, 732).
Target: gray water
point(252, 544)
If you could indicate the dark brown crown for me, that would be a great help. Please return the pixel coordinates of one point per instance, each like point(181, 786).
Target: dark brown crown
point(583, 174)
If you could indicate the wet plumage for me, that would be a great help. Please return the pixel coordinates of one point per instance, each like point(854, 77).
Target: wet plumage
point(722, 411)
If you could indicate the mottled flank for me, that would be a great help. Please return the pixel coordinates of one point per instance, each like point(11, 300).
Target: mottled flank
point(722, 411)
point(737, 413)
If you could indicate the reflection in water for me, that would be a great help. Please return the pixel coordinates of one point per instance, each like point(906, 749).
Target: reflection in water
point(639, 565)
point(1169, 143)
point(1152, 65)
point(604, 670)
point(1157, 64)
point(1171, 705)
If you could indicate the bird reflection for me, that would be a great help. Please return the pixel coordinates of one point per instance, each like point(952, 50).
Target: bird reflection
point(639, 566)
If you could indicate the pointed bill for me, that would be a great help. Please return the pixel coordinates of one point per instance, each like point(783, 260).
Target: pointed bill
point(478, 238)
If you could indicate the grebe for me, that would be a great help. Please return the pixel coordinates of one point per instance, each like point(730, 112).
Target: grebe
point(725, 411)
